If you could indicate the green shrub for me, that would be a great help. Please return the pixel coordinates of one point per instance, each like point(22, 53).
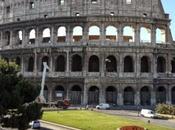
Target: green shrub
point(165, 109)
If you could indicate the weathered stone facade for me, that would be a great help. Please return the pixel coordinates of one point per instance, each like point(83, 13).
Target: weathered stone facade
point(88, 63)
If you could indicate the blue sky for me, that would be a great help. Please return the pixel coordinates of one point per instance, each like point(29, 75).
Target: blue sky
point(169, 7)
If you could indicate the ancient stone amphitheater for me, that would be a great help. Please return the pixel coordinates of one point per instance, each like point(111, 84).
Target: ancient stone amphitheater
point(115, 51)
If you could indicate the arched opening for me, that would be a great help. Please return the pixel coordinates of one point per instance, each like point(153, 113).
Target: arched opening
point(111, 95)
point(7, 38)
point(76, 63)
point(94, 33)
point(30, 64)
point(111, 33)
point(173, 65)
point(46, 93)
point(59, 93)
point(94, 64)
point(145, 96)
point(77, 33)
point(145, 35)
point(128, 64)
point(32, 36)
point(19, 37)
point(76, 94)
point(160, 35)
point(111, 64)
point(44, 59)
point(60, 64)
point(18, 61)
point(61, 34)
point(128, 34)
point(161, 95)
point(93, 95)
point(161, 65)
point(145, 64)
point(46, 35)
point(173, 95)
point(128, 96)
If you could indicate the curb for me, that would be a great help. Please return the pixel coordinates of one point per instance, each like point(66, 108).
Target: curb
point(62, 126)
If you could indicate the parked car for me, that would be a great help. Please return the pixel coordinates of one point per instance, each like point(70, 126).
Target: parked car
point(147, 113)
point(35, 124)
point(103, 106)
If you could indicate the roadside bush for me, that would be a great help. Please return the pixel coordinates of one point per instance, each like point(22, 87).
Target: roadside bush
point(165, 109)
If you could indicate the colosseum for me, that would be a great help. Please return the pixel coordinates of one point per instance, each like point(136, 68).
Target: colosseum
point(115, 51)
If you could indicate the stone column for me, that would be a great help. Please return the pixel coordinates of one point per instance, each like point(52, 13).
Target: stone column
point(67, 63)
point(101, 96)
point(137, 98)
point(85, 34)
point(153, 35)
point(68, 35)
point(38, 37)
point(102, 34)
point(36, 62)
point(168, 95)
point(154, 66)
point(12, 39)
point(137, 35)
point(120, 34)
point(52, 38)
point(102, 65)
point(50, 94)
point(121, 65)
point(153, 96)
point(120, 96)
point(138, 64)
point(85, 95)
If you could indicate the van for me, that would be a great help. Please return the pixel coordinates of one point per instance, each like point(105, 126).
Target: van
point(147, 113)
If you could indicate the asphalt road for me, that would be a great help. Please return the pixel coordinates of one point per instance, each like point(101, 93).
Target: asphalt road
point(134, 115)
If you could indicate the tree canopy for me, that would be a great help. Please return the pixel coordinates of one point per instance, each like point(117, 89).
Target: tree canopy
point(17, 96)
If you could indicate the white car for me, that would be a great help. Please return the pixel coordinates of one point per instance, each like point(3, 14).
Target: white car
point(103, 106)
point(147, 113)
point(35, 124)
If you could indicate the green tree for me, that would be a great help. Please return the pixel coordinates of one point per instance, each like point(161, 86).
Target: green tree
point(17, 95)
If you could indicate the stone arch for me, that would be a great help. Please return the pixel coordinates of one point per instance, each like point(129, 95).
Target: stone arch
point(18, 61)
point(111, 33)
point(145, 64)
point(161, 64)
point(46, 35)
point(61, 34)
point(44, 59)
point(32, 36)
point(160, 35)
point(161, 95)
point(128, 96)
point(46, 93)
point(76, 95)
point(59, 93)
point(93, 95)
point(128, 64)
point(111, 95)
point(173, 95)
point(7, 38)
point(173, 65)
point(145, 35)
point(76, 63)
point(111, 64)
point(77, 33)
point(128, 34)
point(60, 64)
point(30, 64)
point(145, 96)
point(94, 33)
point(94, 64)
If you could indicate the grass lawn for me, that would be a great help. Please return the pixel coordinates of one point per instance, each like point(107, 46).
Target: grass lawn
point(90, 120)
